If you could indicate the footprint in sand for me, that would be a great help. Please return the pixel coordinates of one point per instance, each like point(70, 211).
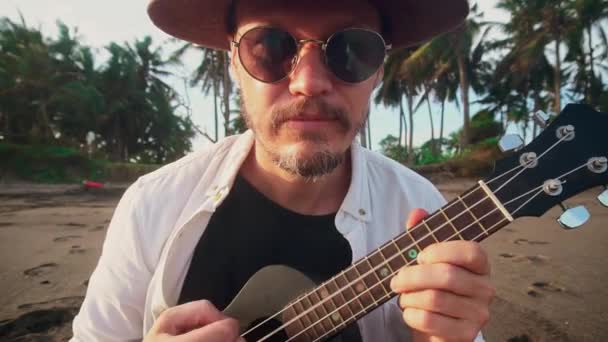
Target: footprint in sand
point(66, 238)
point(535, 259)
point(40, 269)
point(77, 250)
point(549, 286)
point(529, 242)
point(96, 229)
point(35, 323)
point(74, 224)
point(533, 291)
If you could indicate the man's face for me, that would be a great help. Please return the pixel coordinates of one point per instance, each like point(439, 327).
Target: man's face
point(307, 121)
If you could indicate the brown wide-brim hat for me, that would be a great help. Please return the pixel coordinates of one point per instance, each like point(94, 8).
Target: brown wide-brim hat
point(406, 22)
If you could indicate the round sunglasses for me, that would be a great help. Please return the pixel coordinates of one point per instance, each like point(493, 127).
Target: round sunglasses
point(269, 54)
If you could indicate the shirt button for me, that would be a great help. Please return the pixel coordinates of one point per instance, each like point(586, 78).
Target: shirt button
point(361, 212)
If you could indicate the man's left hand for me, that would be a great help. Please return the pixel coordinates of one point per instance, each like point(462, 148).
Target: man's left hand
point(446, 297)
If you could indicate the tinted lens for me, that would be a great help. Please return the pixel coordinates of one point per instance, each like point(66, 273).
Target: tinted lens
point(267, 53)
point(355, 54)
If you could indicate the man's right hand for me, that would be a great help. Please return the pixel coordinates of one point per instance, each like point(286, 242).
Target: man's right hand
point(196, 321)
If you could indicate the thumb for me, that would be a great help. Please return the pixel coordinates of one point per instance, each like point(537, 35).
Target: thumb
point(415, 217)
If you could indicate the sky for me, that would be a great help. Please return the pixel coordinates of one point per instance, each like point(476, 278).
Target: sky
point(102, 22)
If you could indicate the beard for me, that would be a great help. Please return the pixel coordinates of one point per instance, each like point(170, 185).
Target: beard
point(311, 166)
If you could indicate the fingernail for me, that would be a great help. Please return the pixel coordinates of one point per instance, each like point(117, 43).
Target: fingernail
point(393, 284)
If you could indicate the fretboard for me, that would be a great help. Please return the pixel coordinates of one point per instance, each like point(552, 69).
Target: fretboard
point(364, 286)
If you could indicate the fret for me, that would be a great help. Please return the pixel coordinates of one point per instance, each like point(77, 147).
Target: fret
point(360, 287)
point(391, 267)
point(424, 223)
point(384, 269)
point(307, 304)
point(463, 220)
point(363, 269)
point(303, 320)
point(443, 229)
point(354, 303)
point(378, 280)
point(487, 212)
point(421, 237)
point(330, 305)
point(321, 312)
point(450, 223)
point(377, 273)
point(473, 214)
point(339, 299)
point(407, 244)
point(399, 251)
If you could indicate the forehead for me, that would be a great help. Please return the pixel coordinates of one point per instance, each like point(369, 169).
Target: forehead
point(307, 18)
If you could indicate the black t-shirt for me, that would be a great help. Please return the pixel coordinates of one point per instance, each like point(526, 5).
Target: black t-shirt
point(247, 232)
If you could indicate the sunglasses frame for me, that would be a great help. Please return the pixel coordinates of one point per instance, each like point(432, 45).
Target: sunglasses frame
point(299, 42)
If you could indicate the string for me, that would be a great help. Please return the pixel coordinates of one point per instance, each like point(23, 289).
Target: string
point(373, 269)
point(387, 296)
point(410, 262)
point(356, 280)
point(531, 161)
point(380, 283)
point(528, 162)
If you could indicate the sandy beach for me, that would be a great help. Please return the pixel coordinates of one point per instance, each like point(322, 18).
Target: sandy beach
point(551, 283)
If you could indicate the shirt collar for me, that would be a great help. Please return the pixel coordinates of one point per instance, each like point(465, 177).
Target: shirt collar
point(356, 203)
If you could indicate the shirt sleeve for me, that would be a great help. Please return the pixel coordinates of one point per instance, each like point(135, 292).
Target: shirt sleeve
point(113, 307)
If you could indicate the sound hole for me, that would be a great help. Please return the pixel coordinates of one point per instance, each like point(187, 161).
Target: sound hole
point(264, 329)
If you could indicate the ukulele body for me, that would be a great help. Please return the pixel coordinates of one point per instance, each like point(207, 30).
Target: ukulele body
point(265, 294)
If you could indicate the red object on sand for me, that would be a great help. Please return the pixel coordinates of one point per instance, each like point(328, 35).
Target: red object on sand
point(91, 184)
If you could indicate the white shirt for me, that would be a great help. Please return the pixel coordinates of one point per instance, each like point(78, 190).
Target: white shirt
point(161, 217)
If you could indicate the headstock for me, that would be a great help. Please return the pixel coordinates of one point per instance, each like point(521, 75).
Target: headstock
point(568, 157)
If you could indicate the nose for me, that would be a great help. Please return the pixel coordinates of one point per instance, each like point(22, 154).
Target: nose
point(310, 77)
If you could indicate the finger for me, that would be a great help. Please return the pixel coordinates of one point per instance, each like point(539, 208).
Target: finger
point(445, 277)
point(440, 326)
point(225, 330)
point(415, 217)
point(447, 304)
point(189, 316)
point(466, 254)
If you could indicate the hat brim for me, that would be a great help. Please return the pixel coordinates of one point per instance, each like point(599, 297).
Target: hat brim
point(409, 22)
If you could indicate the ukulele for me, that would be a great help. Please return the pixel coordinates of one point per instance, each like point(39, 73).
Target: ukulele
point(279, 303)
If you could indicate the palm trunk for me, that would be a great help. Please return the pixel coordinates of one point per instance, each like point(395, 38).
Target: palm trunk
point(401, 114)
point(464, 95)
point(215, 95)
point(363, 135)
point(7, 133)
point(433, 147)
point(227, 91)
point(441, 125)
point(590, 39)
point(410, 147)
point(369, 129)
point(558, 80)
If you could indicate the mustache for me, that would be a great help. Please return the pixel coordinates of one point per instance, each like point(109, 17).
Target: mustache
point(295, 109)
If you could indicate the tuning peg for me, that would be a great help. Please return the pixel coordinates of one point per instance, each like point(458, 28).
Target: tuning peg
point(541, 118)
point(573, 218)
point(510, 142)
point(603, 197)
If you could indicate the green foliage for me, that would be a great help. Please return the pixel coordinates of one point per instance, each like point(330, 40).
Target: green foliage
point(48, 164)
point(52, 92)
point(391, 148)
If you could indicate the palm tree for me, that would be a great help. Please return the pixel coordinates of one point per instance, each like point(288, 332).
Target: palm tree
point(213, 76)
point(394, 89)
point(453, 52)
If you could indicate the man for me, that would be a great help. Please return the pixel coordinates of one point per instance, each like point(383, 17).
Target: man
point(294, 190)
